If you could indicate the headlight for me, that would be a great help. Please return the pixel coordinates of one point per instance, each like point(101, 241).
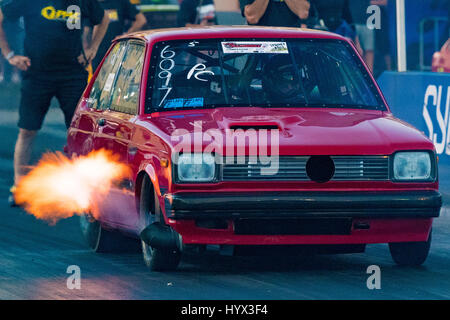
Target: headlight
point(196, 167)
point(413, 166)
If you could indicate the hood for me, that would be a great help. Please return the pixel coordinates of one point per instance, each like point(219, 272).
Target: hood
point(300, 131)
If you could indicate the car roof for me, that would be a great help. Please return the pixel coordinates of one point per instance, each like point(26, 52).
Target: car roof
point(228, 32)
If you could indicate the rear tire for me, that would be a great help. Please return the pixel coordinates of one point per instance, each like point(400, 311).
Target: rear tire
point(156, 259)
point(410, 253)
point(101, 240)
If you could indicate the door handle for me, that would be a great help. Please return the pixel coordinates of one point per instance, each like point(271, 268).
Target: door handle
point(101, 122)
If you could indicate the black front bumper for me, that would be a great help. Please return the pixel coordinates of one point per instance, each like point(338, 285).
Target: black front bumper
point(404, 204)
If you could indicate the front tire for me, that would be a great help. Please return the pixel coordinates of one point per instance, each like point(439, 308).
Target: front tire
point(410, 253)
point(156, 259)
point(101, 240)
point(160, 259)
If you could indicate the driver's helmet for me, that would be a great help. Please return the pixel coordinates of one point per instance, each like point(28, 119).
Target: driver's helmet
point(280, 79)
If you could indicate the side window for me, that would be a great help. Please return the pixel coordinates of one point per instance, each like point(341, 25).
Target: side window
point(101, 90)
point(125, 93)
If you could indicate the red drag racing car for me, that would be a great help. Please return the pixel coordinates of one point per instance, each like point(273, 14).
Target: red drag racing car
point(250, 137)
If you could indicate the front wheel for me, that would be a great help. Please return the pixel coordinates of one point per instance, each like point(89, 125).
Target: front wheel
point(102, 240)
point(156, 259)
point(410, 253)
point(160, 259)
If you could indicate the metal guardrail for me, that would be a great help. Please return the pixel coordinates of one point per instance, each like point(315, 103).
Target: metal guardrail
point(436, 34)
point(164, 16)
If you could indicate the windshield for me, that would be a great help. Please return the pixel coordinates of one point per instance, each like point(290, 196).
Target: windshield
point(259, 73)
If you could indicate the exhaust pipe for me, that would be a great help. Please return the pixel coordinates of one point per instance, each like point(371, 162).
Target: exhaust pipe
point(160, 236)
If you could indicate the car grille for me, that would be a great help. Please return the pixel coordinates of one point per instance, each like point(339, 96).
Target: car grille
point(293, 168)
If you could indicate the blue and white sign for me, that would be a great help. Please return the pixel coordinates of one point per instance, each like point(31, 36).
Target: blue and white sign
point(423, 100)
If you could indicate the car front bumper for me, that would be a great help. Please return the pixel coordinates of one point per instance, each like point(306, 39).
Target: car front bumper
point(293, 218)
point(399, 204)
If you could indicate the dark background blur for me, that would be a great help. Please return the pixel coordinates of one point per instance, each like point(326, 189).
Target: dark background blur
point(427, 28)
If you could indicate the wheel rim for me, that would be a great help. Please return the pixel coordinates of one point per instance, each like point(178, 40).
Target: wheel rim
point(91, 230)
point(149, 218)
point(147, 252)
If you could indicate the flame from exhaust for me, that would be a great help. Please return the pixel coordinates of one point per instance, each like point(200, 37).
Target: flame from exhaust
point(59, 187)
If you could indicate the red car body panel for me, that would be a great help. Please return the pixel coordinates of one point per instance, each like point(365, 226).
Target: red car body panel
point(144, 142)
point(371, 132)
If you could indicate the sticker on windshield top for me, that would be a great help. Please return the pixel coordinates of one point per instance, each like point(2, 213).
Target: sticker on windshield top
point(181, 102)
point(254, 47)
